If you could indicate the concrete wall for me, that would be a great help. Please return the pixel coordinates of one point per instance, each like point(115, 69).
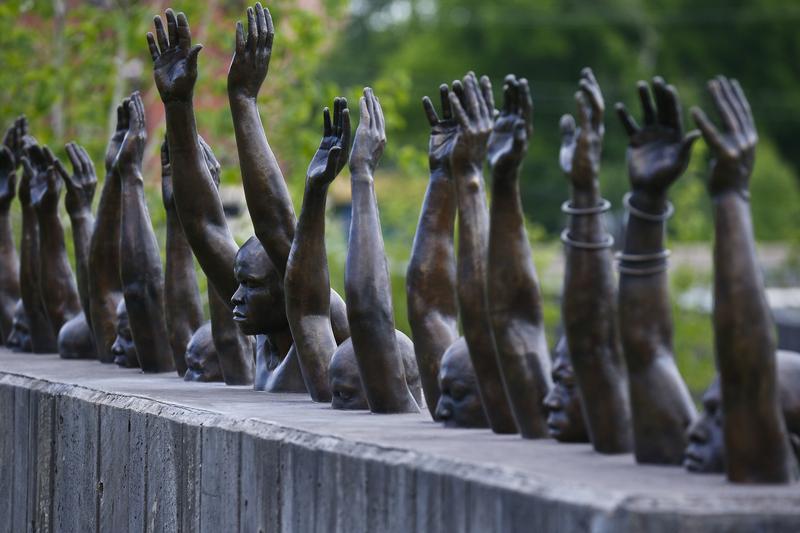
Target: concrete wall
point(74, 459)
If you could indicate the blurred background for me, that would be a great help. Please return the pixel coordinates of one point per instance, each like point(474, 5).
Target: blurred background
point(66, 64)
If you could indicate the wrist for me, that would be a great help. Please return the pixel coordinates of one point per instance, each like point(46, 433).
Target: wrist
point(360, 173)
point(241, 97)
point(81, 214)
point(654, 202)
point(585, 194)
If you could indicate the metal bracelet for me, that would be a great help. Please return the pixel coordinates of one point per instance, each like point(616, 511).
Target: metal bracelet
point(644, 215)
point(657, 269)
point(640, 258)
point(608, 243)
point(604, 206)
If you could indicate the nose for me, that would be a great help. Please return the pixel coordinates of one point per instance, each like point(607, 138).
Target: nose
point(238, 296)
point(552, 402)
point(443, 410)
point(116, 348)
point(698, 432)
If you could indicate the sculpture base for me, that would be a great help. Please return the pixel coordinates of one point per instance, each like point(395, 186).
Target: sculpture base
point(85, 447)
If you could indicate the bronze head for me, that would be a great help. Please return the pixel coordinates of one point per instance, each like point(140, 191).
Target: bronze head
point(202, 360)
point(259, 300)
point(123, 349)
point(459, 403)
point(19, 340)
point(563, 402)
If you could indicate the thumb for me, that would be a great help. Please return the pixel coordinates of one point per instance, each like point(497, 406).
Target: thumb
point(688, 142)
point(26, 166)
point(191, 60)
point(333, 160)
point(520, 136)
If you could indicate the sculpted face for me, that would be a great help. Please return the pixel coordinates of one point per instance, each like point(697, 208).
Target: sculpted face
point(563, 402)
point(19, 340)
point(123, 349)
point(345, 380)
point(201, 357)
point(706, 449)
point(258, 302)
point(75, 339)
point(459, 404)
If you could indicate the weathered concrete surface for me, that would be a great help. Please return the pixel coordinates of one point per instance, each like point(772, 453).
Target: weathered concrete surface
point(91, 447)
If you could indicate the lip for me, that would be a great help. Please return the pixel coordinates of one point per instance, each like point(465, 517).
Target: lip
point(691, 461)
point(238, 316)
point(554, 428)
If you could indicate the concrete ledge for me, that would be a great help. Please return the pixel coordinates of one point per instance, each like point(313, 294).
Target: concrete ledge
point(90, 447)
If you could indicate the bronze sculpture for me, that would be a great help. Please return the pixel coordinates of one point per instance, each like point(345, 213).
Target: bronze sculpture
point(9, 262)
point(202, 361)
point(459, 403)
point(124, 349)
point(757, 448)
point(563, 403)
point(19, 339)
point(588, 307)
point(515, 305)
point(657, 155)
point(142, 280)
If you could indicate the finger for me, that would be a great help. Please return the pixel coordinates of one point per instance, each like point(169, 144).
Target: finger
point(345, 143)
point(567, 127)
point(184, 33)
point(737, 89)
point(729, 94)
point(172, 27)
point(687, 143)
point(252, 30)
point(342, 112)
point(161, 35)
point(326, 122)
point(674, 104)
point(191, 59)
point(596, 96)
point(74, 160)
point(488, 97)
point(333, 161)
point(430, 111)
point(262, 25)
point(63, 174)
point(648, 112)
point(447, 113)
point(710, 133)
point(526, 104)
point(125, 115)
point(471, 92)
point(584, 110)
point(723, 107)
point(363, 119)
point(87, 163)
point(49, 157)
point(458, 88)
point(151, 44)
point(458, 110)
point(27, 168)
point(627, 120)
point(337, 115)
point(520, 136)
point(270, 29)
point(239, 38)
point(379, 122)
point(663, 110)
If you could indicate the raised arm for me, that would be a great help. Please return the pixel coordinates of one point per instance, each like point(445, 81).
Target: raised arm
point(589, 304)
point(81, 185)
point(366, 278)
point(307, 281)
point(473, 110)
point(56, 280)
point(268, 199)
point(196, 200)
point(43, 338)
point(105, 289)
point(515, 300)
point(9, 262)
point(431, 274)
point(183, 310)
point(658, 153)
point(142, 279)
point(757, 448)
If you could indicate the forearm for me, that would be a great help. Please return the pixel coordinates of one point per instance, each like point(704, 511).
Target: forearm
point(82, 228)
point(59, 291)
point(268, 198)
point(197, 201)
point(43, 338)
point(9, 274)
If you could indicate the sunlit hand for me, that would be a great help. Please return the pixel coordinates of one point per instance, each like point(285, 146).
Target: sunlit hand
point(735, 147)
point(581, 146)
point(251, 60)
point(658, 152)
point(82, 183)
point(444, 131)
point(370, 137)
point(508, 142)
point(474, 112)
point(331, 155)
point(8, 178)
point(174, 58)
point(131, 152)
point(123, 121)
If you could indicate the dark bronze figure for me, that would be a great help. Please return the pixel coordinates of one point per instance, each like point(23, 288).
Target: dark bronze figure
point(515, 301)
point(658, 153)
point(75, 339)
point(706, 450)
point(431, 275)
point(104, 285)
point(473, 108)
point(19, 340)
point(9, 262)
point(757, 448)
point(142, 279)
point(201, 357)
point(563, 402)
point(43, 338)
point(124, 349)
point(366, 278)
point(459, 402)
point(589, 305)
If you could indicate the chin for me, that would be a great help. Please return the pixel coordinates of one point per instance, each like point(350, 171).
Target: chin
point(695, 463)
point(248, 328)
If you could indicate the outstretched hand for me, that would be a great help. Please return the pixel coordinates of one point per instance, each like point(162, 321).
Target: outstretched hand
point(581, 145)
point(81, 183)
point(123, 121)
point(735, 147)
point(45, 184)
point(331, 155)
point(474, 112)
point(508, 142)
point(8, 178)
point(658, 152)
point(444, 131)
point(370, 137)
point(174, 58)
point(131, 152)
point(251, 60)
point(17, 140)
